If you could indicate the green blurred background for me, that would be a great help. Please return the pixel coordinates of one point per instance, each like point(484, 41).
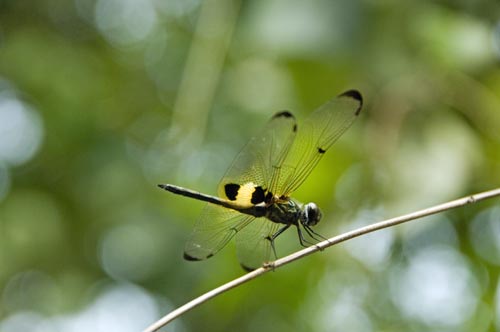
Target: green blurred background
point(100, 100)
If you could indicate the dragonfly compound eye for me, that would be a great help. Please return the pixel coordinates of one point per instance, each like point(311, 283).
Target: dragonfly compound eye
point(312, 214)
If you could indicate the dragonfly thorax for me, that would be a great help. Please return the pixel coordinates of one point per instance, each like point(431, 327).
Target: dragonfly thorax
point(284, 212)
point(290, 212)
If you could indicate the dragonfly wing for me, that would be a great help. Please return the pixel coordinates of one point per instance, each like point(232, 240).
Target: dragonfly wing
point(255, 166)
point(253, 244)
point(320, 130)
point(215, 227)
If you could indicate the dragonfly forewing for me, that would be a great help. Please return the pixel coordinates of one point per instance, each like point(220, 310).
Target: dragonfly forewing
point(318, 133)
point(258, 161)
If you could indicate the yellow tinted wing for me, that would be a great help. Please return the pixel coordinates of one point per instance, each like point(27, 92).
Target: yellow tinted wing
point(317, 134)
point(259, 162)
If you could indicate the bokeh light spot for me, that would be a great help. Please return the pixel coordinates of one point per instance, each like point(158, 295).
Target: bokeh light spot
point(442, 159)
point(125, 22)
point(119, 307)
point(340, 305)
point(259, 85)
point(373, 249)
point(296, 27)
point(26, 321)
point(128, 252)
point(20, 130)
point(485, 235)
point(31, 290)
point(435, 288)
point(177, 8)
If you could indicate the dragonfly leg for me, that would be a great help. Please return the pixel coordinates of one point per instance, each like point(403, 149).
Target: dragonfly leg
point(302, 239)
point(313, 235)
point(271, 238)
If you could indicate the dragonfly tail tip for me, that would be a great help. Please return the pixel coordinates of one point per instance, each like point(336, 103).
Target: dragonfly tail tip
point(168, 187)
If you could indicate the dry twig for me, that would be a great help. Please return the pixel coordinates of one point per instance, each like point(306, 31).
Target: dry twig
point(320, 246)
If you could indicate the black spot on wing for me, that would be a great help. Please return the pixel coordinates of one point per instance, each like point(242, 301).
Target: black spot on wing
point(284, 114)
point(231, 190)
point(247, 268)
point(191, 258)
point(354, 94)
point(321, 151)
point(258, 196)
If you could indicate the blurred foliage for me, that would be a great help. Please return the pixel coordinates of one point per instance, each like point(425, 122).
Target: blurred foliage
point(100, 100)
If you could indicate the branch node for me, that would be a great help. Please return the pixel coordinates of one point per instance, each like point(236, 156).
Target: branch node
point(269, 266)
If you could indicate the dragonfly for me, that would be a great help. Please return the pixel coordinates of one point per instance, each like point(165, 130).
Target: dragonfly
point(253, 203)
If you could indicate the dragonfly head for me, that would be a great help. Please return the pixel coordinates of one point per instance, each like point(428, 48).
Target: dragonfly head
point(311, 215)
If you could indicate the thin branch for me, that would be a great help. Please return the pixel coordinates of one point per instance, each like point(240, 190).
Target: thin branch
point(320, 246)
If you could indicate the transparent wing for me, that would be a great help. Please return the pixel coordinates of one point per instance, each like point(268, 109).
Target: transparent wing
point(263, 155)
point(217, 225)
point(320, 130)
point(214, 228)
point(253, 245)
